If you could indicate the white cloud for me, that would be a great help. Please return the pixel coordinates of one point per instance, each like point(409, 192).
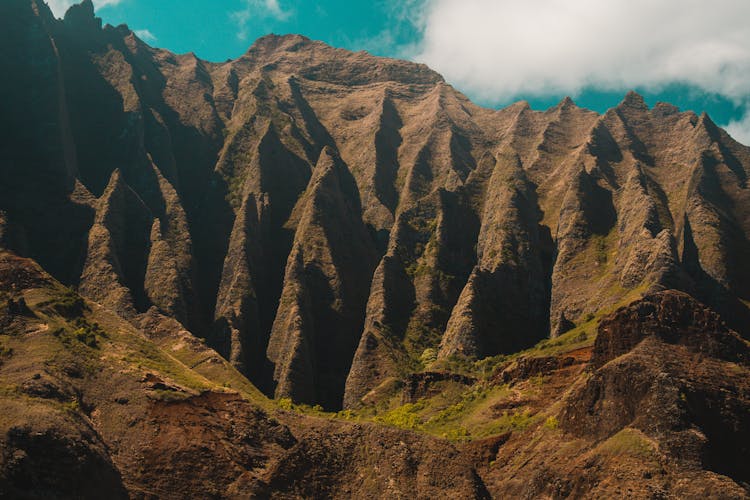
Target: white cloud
point(59, 7)
point(146, 36)
point(403, 16)
point(260, 9)
point(275, 10)
point(503, 49)
point(740, 129)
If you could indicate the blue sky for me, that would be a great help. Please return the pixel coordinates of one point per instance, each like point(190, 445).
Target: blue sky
point(692, 53)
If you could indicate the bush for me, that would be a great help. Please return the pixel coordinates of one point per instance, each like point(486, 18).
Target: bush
point(69, 304)
point(629, 442)
point(85, 336)
point(457, 434)
point(346, 415)
point(428, 356)
point(72, 405)
point(86, 333)
point(405, 416)
point(551, 423)
point(510, 422)
point(455, 410)
point(600, 249)
point(419, 337)
point(285, 404)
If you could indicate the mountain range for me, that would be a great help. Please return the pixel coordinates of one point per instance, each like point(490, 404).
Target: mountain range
point(308, 272)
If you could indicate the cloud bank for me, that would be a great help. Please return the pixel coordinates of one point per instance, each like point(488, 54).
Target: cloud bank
point(146, 36)
point(502, 49)
point(740, 129)
point(59, 7)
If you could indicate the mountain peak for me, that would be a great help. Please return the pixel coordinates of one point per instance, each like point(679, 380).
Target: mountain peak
point(665, 109)
point(633, 100)
point(566, 102)
point(81, 17)
point(318, 61)
point(705, 118)
point(277, 43)
point(707, 124)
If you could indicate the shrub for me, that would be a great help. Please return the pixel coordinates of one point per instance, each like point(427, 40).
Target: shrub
point(428, 356)
point(285, 404)
point(69, 304)
point(516, 421)
point(346, 415)
point(84, 332)
point(418, 337)
point(85, 337)
point(600, 249)
point(405, 416)
point(551, 423)
point(536, 380)
point(72, 405)
point(457, 434)
point(455, 410)
point(629, 442)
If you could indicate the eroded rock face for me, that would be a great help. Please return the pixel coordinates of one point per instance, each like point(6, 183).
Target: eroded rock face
point(116, 258)
point(673, 318)
point(663, 365)
point(322, 305)
point(194, 428)
point(147, 411)
point(331, 222)
point(248, 454)
point(56, 462)
point(506, 299)
point(324, 218)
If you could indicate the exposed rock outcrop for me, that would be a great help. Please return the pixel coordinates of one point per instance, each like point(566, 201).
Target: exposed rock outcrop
point(118, 250)
point(150, 412)
point(673, 318)
point(503, 307)
point(321, 310)
point(147, 179)
point(663, 365)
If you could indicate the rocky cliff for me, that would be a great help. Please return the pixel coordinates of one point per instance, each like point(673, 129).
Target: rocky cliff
point(324, 218)
point(335, 225)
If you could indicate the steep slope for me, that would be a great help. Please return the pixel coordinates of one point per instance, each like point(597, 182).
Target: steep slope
point(325, 288)
point(505, 300)
point(503, 303)
point(652, 402)
point(93, 406)
point(442, 231)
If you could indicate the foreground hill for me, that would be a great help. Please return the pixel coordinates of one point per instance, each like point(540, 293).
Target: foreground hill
point(94, 406)
point(562, 295)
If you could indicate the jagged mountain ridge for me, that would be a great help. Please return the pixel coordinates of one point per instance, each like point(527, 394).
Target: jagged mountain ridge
point(325, 218)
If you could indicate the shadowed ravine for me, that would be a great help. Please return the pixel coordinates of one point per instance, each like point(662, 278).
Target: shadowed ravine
point(309, 272)
point(442, 225)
